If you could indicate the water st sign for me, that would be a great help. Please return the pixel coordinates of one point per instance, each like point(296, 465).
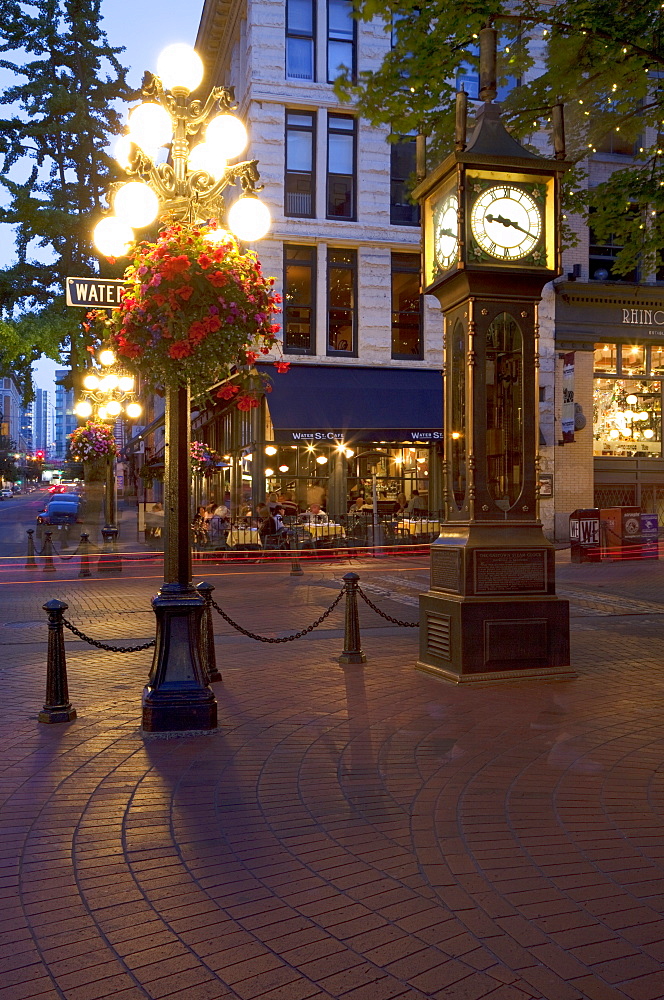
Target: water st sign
point(95, 293)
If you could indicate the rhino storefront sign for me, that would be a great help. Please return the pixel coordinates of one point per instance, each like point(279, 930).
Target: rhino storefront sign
point(588, 312)
point(651, 320)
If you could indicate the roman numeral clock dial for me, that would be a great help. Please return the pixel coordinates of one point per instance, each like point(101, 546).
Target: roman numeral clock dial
point(506, 223)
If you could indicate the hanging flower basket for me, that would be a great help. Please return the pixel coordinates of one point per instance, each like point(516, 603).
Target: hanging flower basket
point(92, 442)
point(197, 312)
point(203, 458)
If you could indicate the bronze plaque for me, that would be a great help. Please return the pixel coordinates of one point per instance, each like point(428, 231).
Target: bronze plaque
point(513, 642)
point(445, 568)
point(510, 571)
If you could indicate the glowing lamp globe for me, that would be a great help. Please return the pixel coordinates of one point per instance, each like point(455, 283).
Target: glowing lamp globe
point(109, 383)
point(270, 450)
point(134, 410)
point(102, 413)
point(112, 237)
point(283, 468)
point(136, 204)
point(205, 157)
point(268, 473)
point(107, 356)
point(113, 408)
point(180, 67)
point(83, 408)
point(216, 236)
point(227, 135)
point(249, 219)
point(150, 126)
point(649, 433)
point(122, 150)
point(126, 383)
point(322, 459)
point(91, 382)
point(631, 400)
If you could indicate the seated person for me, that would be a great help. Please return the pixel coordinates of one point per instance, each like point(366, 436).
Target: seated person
point(359, 504)
point(272, 530)
point(314, 515)
point(286, 501)
point(416, 504)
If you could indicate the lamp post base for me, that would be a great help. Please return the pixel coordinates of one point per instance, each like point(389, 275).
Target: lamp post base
point(176, 697)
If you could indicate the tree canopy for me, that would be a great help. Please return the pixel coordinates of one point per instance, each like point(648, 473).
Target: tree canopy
point(59, 120)
point(604, 60)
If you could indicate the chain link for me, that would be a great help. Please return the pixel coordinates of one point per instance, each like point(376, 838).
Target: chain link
point(102, 645)
point(286, 638)
point(395, 621)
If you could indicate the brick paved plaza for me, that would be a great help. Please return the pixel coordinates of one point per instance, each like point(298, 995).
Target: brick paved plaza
point(361, 832)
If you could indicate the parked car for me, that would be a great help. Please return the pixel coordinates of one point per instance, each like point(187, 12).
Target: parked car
point(59, 514)
point(6, 494)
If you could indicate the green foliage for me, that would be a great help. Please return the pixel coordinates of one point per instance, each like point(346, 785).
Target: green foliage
point(58, 123)
point(604, 60)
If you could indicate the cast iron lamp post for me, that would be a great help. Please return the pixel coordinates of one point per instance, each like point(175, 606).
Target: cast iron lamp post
point(188, 189)
point(109, 392)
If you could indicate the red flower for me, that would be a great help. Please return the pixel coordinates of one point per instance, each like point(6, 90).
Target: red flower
point(228, 392)
point(282, 366)
point(251, 356)
point(185, 292)
point(172, 266)
point(274, 328)
point(180, 349)
point(217, 278)
point(128, 349)
point(247, 402)
point(205, 261)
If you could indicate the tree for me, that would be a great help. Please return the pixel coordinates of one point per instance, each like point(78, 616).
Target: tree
point(605, 61)
point(55, 168)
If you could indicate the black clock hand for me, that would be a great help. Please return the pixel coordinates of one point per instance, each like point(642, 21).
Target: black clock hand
point(506, 222)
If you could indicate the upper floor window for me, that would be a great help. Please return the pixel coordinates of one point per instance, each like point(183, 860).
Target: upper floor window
point(406, 306)
point(340, 38)
point(340, 167)
point(299, 299)
point(402, 166)
point(601, 258)
point(299, 192)
point(341, 301)
point(300, 33)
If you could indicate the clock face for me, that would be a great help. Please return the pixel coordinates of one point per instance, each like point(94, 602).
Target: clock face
point(506, 222)
point(445, 232)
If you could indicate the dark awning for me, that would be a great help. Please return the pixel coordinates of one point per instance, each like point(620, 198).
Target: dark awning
point(335, 403)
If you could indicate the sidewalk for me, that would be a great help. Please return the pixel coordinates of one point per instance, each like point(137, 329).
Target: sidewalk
point(367, 833)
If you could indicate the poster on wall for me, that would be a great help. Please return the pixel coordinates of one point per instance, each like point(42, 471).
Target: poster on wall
point(568, 398)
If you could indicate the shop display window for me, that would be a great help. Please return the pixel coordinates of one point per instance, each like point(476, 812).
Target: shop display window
point(633, 360)
point(627, 417)
point(606, 358)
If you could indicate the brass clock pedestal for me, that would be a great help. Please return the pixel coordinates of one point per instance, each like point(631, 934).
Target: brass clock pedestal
point(491, 242)
point(491, 613)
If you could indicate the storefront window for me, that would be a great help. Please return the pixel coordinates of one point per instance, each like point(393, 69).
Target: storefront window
point(657, 360)
point(633, 360)
point(627, 417)
point(606, 358)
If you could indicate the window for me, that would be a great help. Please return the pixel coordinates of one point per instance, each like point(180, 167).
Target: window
point(299, 198)
point(300, 40)
point(402, 166)
point(341, 301)
point(406, 306)
point(340, 167)
point(340, 38)
point(627, 404)
point(299, 299)
point(601, 257)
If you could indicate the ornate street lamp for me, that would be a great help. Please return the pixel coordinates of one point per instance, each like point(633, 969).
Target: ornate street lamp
point(109, 393)
point(189, 188)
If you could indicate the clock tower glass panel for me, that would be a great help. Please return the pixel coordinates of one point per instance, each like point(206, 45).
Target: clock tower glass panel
point(504, 411)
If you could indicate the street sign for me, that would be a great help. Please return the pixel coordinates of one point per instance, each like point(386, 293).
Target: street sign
point(94, 293)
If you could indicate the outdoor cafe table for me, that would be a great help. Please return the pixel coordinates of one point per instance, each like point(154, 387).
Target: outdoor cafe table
point(329, 530)
point(420, 526)
point(243, 536)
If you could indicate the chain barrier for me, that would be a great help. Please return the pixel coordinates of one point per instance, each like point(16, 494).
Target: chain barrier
point(103, 645)
point(60, 555)
point(286, 638)
point(395, 621)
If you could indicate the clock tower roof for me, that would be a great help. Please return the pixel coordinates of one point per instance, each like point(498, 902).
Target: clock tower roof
point(490, 138)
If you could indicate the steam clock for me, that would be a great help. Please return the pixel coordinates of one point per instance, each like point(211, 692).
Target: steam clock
point(491, 242)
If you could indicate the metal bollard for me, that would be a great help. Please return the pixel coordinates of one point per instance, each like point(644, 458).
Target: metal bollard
point(208, 654)
point(109, 559)
point(31, 562)
point(295, 568)
point(57, 707)
point(84, 549)
point(49, 564)
point(352, 652)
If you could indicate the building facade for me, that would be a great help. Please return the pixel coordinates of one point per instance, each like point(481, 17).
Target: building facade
point(65, 418)
point(363, 397)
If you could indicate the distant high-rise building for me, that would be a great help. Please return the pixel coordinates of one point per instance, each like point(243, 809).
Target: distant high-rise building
point(42, 436)
point(65, 418)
